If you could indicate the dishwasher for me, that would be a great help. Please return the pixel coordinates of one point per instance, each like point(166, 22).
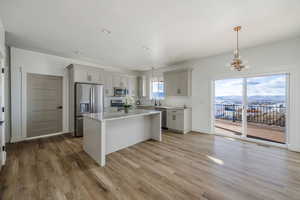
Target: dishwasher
point(163, 117)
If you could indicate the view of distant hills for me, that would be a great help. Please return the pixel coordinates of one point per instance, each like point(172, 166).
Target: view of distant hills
point(254, 100)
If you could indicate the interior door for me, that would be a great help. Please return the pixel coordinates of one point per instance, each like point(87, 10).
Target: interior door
point(44, 104)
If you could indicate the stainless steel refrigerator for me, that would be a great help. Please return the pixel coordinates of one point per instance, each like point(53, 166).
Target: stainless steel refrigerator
point(89, 98)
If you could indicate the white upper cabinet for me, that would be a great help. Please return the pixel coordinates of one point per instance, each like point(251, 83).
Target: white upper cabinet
point(87, 74)
point(121, 80)
point(111, 80)
point(116, 80)
point(178, 83)
point(124, 82)
point(133, 86)
point(108, 84)
point(80, 75)
point(141, 86)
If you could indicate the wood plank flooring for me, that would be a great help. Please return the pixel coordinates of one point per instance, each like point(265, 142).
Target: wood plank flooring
point(191, 166)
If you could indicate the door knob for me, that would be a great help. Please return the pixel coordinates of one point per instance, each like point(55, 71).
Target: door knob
point(59, 107)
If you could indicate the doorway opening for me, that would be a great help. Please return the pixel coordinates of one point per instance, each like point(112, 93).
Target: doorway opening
point(252, 107)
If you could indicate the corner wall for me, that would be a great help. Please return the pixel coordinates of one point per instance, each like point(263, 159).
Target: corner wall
point(279, 57)
point(23, 62)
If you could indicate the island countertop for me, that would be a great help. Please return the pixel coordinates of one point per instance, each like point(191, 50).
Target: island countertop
point(108, 132)
point(108, 116)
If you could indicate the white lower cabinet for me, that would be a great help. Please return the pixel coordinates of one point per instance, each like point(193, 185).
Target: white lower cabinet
point(179, 120)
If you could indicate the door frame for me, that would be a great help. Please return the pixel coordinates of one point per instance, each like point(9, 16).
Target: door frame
point(24, 97)
point(244, 113)
point(2, 127)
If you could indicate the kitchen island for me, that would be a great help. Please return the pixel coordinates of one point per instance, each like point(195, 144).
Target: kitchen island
point(104, 133)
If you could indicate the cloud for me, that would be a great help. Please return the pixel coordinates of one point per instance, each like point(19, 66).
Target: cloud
point(256, 86)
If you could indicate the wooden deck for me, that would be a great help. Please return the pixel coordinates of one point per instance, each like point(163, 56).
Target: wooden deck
point(191, 166)
point(272, 134)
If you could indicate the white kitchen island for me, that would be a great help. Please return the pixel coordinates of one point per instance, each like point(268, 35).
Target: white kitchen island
point(104, 133)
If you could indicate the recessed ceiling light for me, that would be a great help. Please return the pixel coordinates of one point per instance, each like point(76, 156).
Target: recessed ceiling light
point(106, 31)
point(77, 52)
point(145, 48)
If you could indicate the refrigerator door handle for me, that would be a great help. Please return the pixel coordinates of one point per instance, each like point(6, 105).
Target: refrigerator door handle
point(91, 101)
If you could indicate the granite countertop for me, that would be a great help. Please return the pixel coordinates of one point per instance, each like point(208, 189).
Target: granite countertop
point(107, 116)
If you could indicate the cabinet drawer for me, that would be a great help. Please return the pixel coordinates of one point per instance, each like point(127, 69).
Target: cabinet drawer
point(176, 112)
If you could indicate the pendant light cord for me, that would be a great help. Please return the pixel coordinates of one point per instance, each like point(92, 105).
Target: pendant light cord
point(237, 40)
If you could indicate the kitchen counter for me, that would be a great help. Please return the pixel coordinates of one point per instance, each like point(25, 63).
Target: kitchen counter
point(106, 116)
point(163, 107)
point(104, 133)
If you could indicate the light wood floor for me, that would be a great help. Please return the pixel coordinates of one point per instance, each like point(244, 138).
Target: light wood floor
point(191, 166)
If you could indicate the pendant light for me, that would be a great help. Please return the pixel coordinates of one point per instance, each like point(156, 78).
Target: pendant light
point(237, 64)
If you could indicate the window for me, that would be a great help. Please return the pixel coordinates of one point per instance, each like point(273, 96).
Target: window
point(157, 89)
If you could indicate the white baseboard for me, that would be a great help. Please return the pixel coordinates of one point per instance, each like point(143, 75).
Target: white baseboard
point(292, 147)
point(45, 136)
point(201, 131)
point(247, 139)
point(14, 140)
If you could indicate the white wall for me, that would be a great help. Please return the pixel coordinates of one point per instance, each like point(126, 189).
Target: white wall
point(23, 62)
point(274, 58)
point(278, 57)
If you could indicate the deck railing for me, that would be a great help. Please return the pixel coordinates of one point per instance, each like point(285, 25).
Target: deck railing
point(262, 114)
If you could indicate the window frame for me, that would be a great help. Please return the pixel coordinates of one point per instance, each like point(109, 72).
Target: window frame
point(159, 81)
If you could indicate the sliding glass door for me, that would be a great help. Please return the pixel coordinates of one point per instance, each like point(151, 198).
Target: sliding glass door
point(229, 106)
point(252, 107)
point(266, 108)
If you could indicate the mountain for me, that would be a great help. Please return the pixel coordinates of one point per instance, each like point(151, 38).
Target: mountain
point(257, 100)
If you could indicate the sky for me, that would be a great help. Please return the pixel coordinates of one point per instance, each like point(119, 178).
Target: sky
point(257, 86)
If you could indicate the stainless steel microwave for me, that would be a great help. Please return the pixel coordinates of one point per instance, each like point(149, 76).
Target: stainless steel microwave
point(120, 92)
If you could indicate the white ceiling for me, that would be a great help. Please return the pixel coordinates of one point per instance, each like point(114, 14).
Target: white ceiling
point(173, 30)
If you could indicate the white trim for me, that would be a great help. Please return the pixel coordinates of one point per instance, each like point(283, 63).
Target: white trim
point(45, 136)
point(24, 91)
point(293, 148)
point(244, 108)
point(284, 146)
point(202, 131)
point(212, 103)
point(257, 141)
point(287, 103)
point(249, 75)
